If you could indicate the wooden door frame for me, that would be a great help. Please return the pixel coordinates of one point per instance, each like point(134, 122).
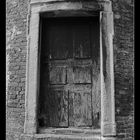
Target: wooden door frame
point(104, 9)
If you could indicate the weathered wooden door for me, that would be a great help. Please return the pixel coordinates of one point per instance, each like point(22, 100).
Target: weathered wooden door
point(70, 75)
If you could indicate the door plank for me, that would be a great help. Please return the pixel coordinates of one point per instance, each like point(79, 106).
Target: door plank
point(96, 94)
point(57, 75)
point(80, 109)
point(82, 41)
point(60, 41)
point(57, 107)
point(82, 74)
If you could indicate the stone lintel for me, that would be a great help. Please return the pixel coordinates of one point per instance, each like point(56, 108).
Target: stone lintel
point(44, 5)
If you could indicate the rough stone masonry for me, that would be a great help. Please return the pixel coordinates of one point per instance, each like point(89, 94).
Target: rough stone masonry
point(16, 47)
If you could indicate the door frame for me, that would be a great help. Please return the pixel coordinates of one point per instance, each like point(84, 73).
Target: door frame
point(61, 9)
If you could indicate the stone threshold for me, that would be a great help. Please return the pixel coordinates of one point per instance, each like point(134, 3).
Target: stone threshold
point(70, 130)
point(66, 137)
point(69, 133)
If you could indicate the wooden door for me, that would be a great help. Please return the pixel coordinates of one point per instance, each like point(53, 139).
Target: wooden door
point(69, 75)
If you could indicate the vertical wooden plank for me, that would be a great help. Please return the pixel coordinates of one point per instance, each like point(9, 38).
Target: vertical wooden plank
point(60, 41)
point(82, 74)
point(44, 78)
point(82, 41)
point(70, 75)
point(96, 94)
point(56, 108)
point(57, 75)
point(80, 108)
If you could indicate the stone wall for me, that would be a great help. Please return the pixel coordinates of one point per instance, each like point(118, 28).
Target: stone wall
point(16, 46)
point(124, 66)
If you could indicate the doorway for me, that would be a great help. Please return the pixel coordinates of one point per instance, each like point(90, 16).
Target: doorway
point(69, 91)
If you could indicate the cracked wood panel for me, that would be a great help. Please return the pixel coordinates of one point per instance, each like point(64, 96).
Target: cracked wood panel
point(82, 74)
point(57, 75)
point(77, 74)
point(56, 107)
point(80, 110)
